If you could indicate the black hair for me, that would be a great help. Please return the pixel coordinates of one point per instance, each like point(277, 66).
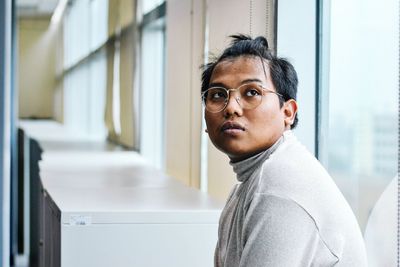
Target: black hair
point(283, 74)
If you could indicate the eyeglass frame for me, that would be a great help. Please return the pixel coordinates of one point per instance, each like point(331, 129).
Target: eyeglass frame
point(236, 98)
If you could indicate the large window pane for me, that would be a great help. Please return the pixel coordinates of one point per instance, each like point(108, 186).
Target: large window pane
point(98, 23)
point(85, 66)
point(76, 98)
point(363, 71)
point(148, 5)
point(97, 93)
point(76, 42)
point(152, 93)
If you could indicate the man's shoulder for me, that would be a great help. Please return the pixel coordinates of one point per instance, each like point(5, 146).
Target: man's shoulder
point(292, 163)
point(293, 172)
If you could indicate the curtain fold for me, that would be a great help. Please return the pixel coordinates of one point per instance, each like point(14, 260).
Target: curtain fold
point(271, 17)
point(120, 118)
point(127, 136)
point(127, 12)
point(109, 122)
point(113, 16)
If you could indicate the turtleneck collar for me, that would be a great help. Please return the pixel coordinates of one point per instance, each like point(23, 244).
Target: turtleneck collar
point(245, 168)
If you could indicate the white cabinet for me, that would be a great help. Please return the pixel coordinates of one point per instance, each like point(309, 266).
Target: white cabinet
point(152, 225)
point(102, 207)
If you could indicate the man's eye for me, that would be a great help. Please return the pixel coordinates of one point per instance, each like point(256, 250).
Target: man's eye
point(217, 95)
point(252, 92)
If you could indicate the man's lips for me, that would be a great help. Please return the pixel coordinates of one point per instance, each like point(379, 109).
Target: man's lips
point(231, 125)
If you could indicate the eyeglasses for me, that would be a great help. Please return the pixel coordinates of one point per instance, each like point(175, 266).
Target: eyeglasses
point(215, 99)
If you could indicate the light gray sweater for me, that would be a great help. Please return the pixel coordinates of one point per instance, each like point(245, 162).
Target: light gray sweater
point(287, 211)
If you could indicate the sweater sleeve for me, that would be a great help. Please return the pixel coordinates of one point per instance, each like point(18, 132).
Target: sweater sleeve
point(279, 232)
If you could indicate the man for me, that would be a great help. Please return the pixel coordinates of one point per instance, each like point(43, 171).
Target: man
point(286, 210)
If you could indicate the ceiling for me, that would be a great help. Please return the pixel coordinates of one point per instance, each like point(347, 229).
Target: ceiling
point(36, 8)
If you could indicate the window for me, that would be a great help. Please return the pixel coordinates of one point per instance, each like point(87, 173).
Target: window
point(360, 99)
point(152, 86)
point(85, 66)
point(149, 5)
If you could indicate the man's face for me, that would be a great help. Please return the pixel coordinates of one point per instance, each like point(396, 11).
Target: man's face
point(241, 133)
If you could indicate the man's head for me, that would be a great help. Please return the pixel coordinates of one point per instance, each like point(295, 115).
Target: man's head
point(241, 129)
point(283, 74)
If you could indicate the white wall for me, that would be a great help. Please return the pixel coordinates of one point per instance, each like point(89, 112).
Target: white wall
point(184, 41)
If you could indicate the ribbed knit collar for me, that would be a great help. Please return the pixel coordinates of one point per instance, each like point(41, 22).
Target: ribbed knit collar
point(245, 168)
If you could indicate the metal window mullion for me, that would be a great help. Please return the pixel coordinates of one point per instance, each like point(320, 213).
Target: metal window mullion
point(5, 118)
point(322, 80)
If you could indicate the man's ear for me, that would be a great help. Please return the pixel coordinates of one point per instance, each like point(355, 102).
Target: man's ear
point(289, 111)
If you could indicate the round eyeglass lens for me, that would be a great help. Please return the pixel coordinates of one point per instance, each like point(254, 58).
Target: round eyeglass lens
point(250, 95)
point(215, 99)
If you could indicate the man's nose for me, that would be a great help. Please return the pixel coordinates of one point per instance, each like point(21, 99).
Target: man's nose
point(233, 106)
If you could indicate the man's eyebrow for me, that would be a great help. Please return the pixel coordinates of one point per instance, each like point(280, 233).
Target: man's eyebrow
point(242, 82)
point(217, 85)
point(251, 80)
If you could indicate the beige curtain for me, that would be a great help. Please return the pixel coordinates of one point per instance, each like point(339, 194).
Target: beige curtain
point(127, 11)
point(121, 29)
point(113, 17)
point(262, 19)
point(270, 26)
point(128, 120)
point(110, 50)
